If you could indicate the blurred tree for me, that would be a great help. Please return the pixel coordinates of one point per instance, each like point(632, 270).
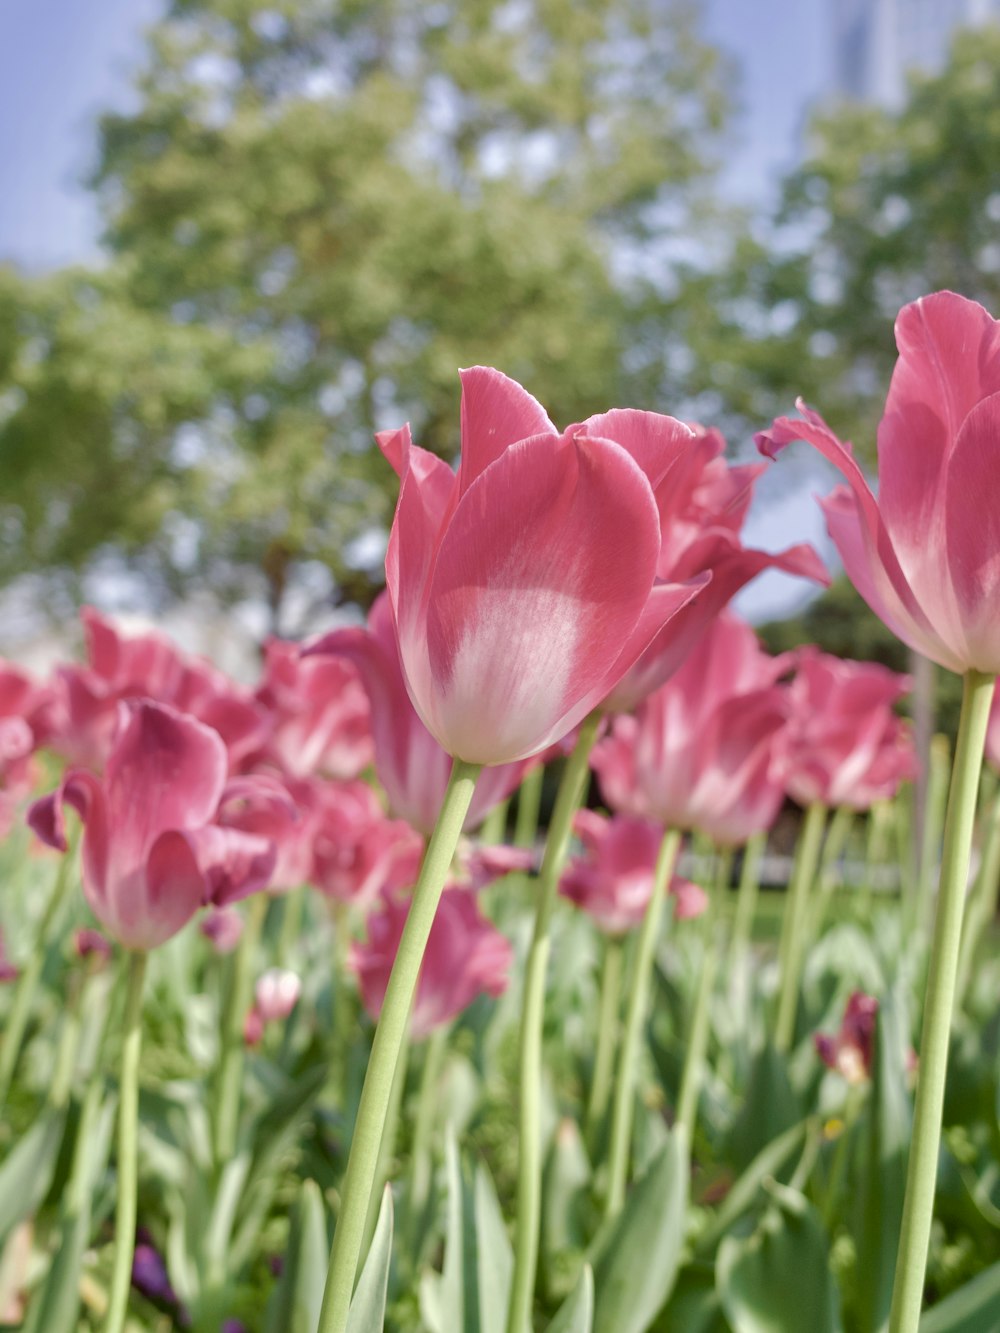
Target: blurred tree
point(317, 212)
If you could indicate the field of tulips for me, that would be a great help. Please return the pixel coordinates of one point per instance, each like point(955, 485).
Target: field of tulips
point(544, 954)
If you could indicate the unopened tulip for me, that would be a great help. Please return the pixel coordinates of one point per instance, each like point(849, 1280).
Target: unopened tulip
point(850, 1052)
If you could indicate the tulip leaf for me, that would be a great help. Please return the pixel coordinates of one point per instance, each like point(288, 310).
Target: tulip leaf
point(27, 1171)
point(778, 1277)
point(637, 1256)
point(768, 1162)
point(297, 1299)
point(576, 1314)
point(770, 1108)
point(973, 1308)
point(367, 1312)
point(56, 1306)
point(564, 1186)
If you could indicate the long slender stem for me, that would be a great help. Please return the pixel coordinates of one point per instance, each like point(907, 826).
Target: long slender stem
point(607, 1032)
point(387, 1147)
point(128, 1117)
point(420, 1183)
point(292, 907)
point(365, 1142)
point(529, 1166)
point(697, 1045)
point(623, 1105)
point(796, 913)
point(934, 818)
point(227, 1106)
point(921, 1175)
point(494, 826)
point(746, 896)
point(529, 801)
point(829, 874)
point(982, 908)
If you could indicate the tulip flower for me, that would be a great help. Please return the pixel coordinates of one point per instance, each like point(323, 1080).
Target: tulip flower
point(850, 1052)
point(23, 705)
point(223, 928)
point(275, 996)
point(845, 745)
point(409, 763)
point(466, 957)
point(357, 852)
point(152, 853)
point(523, 588)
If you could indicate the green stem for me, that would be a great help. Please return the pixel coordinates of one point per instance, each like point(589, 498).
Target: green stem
point(934, 817)
point(697, 1045)
point(982, 908)
point(529, 802)
point(855, 1100)
point(529, 1166)
point(623, 1106)
point(746, 896)
point(494, 827)
point(609, 1015)
point(921, 1176)
point(829, 871)
point(227, 1105)
point(293, 906)
point(389, 1034)
point(427, 1105)
point(128, 1114)
point(69, 1046)
point(341, 1003)
point(876, 846)
point(27, 982)
point(793, 927)
point(387, 1147)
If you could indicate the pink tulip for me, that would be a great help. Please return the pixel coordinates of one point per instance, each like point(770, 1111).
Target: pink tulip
point(320, 713)
point(284, 812)
point(223, 928)
point(466, 957)
point(275, 996)
point(24, 708)
point(523, 588)
point(410, 764)
point(924, 554)
point(613, 879)
point(705, 751)
point(845, 744)
point(152, 853)
point(702, 505)
point(91, 944)
point(851, 1051)
point(357, 851)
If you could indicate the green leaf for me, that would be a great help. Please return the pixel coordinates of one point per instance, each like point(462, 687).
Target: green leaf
point(298, 1297)
point(475, 1286)
point(26, 1173)
point(576, 1314)
point(770, 1108)
point(778, 1278)
point(768, 1162)
point(367, 1312)
point(494, 1258)
point(57, 1302)
point(637, 1257)
point(974, 1308)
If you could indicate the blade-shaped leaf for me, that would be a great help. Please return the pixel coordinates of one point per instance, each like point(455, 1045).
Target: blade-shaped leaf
point(298, 1297)
point(27, 1170)
point(974, 1308)
point(367, 1312)
point(576, 1314)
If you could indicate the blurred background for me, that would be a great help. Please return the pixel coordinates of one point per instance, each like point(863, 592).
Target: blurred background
point(238, 236)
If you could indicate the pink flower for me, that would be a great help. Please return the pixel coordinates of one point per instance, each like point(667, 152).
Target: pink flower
point(851, 1051)
point(319, 710)
point(275, 996)
point(23, 708)
point(924, 554)
point(152, 853)
point(613, 879)
point(281, 810)
point(523, 588)
point(223, 928)
point(91, 944)
point(466, 957)
point(845, 744)
point(357, 851)
point(705, 750)
point(410, 764)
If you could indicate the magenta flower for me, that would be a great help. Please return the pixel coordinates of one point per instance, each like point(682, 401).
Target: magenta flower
point(851, 1051)
point(357, 852)
point(410, 764)
point(152, 851)
point(845, 744)
point(613, 880)
point(466, 957)
point(924, 554)
point(23, 708)
point(706, 750)
point(523, 588)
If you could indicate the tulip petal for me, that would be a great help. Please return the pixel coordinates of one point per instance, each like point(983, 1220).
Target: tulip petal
point(496, 413)
point(174, 889)
point(542, 575)
point(973, 531)
point(655, 441)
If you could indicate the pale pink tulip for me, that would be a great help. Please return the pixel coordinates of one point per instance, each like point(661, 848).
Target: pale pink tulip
point(705, 750)
point(152, 853)
point(613, 879)
point(357, 851)
point(523, 588)
point(924, 554)
point(845, 745)
point(410, 764)
point(275, 996)
point(466, 957)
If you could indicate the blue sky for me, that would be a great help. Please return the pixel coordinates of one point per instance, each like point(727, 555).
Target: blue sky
point(63, 61)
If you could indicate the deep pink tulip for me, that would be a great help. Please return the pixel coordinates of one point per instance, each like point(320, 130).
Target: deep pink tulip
point(466, 957)
point(24, 708)
point(320, 713)
point(410, 764)
point(152, 853)
point(523, 588)
point(845, 744)
point(851, 1051)
point(357, 851)
point(284, 811)
point(702, 504)
point(924, 554)
point(613, 879)
point(706, 750)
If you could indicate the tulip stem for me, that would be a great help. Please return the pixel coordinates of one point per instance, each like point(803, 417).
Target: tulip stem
point(529, 1165)
point(934, 816)
point(828, 878)
point(493, 831)
point(609, 1015)
point(390, 1032)
point(128, 1115)
point(529, 802)
point(422, 1155)
point(623, 1107)
point(921, 1176)
point(982, 907)
point(387, 1148)
point(746, 897)
point(697, 1043)
point(234, 1014)
point(793, 926)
